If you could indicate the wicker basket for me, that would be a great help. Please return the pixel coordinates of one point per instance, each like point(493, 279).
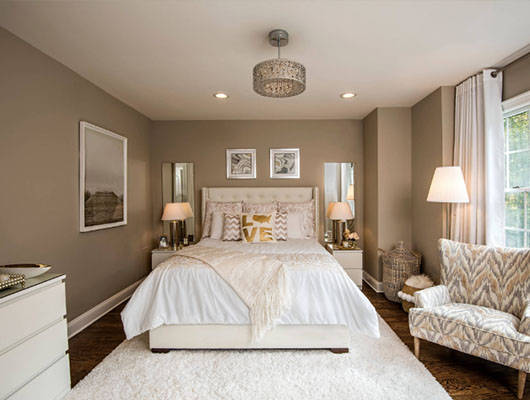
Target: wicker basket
point(398, 265)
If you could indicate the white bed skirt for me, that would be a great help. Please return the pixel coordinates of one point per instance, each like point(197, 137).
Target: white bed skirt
point(173, 337)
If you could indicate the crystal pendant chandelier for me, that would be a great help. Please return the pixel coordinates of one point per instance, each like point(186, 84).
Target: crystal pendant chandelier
point(279, 77)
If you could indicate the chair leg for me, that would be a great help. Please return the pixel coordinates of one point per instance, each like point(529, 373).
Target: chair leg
point(520, 384)
point(417, 347)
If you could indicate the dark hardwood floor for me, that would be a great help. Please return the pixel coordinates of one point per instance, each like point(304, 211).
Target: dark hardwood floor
point(464, 377)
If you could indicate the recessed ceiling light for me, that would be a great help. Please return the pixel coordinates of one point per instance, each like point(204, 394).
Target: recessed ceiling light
point(220, 95)
point(348, 95)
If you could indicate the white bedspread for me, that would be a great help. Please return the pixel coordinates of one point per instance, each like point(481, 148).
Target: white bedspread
point(192, 292)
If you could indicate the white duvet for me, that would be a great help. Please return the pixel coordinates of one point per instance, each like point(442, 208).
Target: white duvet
point(186, 291)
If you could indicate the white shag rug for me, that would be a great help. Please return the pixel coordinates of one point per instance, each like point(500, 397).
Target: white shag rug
point(373, 369)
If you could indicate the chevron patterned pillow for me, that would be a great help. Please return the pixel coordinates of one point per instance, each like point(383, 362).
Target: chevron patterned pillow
point(280, 226)
point(231, 228)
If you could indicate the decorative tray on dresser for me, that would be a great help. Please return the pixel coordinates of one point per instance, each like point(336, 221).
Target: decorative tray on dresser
point(34, 362)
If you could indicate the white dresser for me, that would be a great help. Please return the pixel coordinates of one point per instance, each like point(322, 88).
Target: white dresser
point(351, 260)
point(34, 362)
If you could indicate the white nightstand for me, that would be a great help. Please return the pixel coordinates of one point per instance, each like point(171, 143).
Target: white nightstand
point(351, 261)
point(157, 256)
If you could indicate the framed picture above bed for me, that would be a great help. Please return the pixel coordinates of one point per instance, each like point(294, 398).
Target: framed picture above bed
point(102, 178)
point(240, 163)
point(285, 163)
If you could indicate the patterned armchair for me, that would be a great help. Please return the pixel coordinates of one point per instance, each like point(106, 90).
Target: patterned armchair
point(482, 306)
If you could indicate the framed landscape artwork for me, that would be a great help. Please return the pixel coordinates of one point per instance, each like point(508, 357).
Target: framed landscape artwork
point(240, 163)
point(285, 163)
point(102, 178)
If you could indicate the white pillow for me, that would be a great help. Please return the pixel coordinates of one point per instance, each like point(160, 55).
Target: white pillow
point(216, 230)
point(295, 225)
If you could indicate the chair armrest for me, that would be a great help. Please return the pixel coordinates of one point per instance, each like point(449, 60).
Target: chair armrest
point(432, 297)
point(524, 326)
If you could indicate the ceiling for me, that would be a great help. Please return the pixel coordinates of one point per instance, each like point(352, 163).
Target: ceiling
point(166, 58)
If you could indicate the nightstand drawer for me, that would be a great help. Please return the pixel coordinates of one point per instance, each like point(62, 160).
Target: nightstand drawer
point(356, 275)
point(349, 260)
point(159, 256)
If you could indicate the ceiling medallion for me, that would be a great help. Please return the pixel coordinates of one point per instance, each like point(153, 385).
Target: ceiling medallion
point(279, 77)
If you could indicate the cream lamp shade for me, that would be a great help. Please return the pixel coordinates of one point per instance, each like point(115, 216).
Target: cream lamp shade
point(330, 207)
point(340, 211)
point(177, 211)
point(350, 195)
point(448, 186)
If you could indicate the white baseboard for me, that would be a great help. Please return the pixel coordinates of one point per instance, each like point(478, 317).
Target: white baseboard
point(78, 324)
point(372, 282)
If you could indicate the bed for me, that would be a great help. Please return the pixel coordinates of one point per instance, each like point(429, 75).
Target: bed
point(184, 304)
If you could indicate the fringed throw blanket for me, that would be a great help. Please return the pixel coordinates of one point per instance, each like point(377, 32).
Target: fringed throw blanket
point(260, 281)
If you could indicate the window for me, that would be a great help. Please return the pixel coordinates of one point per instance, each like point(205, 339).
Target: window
point(517, 177)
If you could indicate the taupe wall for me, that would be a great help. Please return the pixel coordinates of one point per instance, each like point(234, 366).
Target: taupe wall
point(41, 104)
point(370, 190)
point(395, 176)
point(516, 79)
point(387, 189)
point(204, 142)
point(432, 146)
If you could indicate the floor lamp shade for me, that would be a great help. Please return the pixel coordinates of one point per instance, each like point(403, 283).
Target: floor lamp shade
point(448, 186)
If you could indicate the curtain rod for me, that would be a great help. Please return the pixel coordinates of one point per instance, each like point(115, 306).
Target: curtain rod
point(501, 69)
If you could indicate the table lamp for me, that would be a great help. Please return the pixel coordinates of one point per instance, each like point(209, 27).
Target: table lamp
point(176, 212)
point(448, 187)
point(350, 195)
point(340, 212)
point(328, 213)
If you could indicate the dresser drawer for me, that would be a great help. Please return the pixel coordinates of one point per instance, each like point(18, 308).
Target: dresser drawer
point(53, 383)
point(22, 363)
point(356, 275)
point(349, 260)
point(28, 314)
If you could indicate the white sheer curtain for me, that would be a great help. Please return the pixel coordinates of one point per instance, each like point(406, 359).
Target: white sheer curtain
point(479, 151)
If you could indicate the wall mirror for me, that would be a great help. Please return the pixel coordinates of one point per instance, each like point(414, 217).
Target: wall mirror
point(178, 187)
point(339, 179)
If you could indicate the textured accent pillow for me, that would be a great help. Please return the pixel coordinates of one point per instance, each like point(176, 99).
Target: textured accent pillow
point(257, 228)
point(260, 208)
point(280, 226)
point(233, 208)
point(307, 208)
point(295, 225)
point(232, 227)
point(216, 230)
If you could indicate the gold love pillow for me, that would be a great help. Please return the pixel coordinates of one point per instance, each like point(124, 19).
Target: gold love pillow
point(257, 228)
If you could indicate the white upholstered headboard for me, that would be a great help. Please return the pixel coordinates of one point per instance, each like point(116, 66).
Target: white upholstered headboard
point(260, 195)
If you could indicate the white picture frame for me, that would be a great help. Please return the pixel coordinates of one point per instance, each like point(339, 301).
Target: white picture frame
point(102, 178)
point(240, 163)
point(284, 163)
